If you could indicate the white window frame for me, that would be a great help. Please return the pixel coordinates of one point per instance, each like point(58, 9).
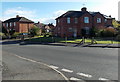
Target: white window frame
point(86, 19)
point(68, 20)
point(98, 20)
point(76, 20)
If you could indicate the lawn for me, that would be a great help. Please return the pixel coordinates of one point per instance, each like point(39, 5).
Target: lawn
point(70, 40)
point(89, 41)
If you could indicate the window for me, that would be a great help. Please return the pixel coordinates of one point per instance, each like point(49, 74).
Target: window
point(68, 20)
point(58, 20)
point(14, 24)
point(86, 19)
point(10, 24)
point(6, 24)
point(98, 20)
point(70, 29)
point(105, 20)
point(76, 20)
point(87, 30)
point(3, 24)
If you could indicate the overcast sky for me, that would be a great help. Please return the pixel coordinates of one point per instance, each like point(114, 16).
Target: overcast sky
point(46, 12)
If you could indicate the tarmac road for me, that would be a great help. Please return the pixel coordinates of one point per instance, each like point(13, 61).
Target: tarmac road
point(74, 62)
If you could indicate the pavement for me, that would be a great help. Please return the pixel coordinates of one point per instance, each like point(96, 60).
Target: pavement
point(61, 44)
point(87, 45)
point(15, 68)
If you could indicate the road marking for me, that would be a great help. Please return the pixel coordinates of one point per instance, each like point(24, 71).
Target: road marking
point(55, 67)
point(73, 78)
point(103, 79)
point(85, 75)
point(45, 65)
point(66, 70)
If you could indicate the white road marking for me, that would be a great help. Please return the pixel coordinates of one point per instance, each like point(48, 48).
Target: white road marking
point(66, 70)
point(103, 79)
point(85, 75)
point(45, 65)
point(73, 78)
point(55, 67)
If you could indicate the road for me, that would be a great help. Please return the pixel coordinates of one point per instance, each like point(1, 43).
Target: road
point(76, 62)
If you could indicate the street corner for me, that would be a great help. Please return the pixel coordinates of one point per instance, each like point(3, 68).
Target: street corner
point(27, 69)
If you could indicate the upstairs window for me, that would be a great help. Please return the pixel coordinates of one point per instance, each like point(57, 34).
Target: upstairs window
point(86, 19)
point(6, 24)
point(98, 20)
point(76, 20)
point(68, 20)
point(105, 20)
point(14, 24)
point(3, 24)
point(58, 20)
point(10, 24)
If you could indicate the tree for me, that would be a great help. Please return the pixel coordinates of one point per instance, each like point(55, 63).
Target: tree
point(93, 31)
point(115, 24)
point(4, 30)
point(11, 31)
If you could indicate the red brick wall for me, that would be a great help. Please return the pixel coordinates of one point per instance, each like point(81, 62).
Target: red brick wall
point(19, 27)
point(62, 27)
point(24, 27)
point(98, 25)
point(109, 22)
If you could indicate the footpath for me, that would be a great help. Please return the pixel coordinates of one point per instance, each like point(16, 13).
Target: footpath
point(15, 68)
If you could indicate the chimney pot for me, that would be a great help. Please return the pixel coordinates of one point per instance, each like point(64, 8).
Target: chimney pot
point(84, 9)
point(17, 16)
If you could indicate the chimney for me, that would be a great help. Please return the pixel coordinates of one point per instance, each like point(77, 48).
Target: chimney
point(38, 22)
point(17, 16)
point(84, 9)
point(110, 16)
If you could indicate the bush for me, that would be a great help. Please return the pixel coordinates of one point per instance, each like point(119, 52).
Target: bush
point(118, 37)
point(108, 32)
point(15, 35)
point(2, 36)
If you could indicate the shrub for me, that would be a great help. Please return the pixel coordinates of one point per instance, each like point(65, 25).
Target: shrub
point(34, 31)
point(2, 36)
point(15, 35)
point(108, 32)
point(118, 37)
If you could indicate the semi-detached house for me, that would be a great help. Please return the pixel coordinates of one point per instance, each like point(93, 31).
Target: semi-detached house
point(70, 23)
point(19, 24)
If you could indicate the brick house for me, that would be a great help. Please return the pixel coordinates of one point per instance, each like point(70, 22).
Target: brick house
point(19, 24)
point(70, 23)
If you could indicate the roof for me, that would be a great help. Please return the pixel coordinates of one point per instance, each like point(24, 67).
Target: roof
point(19, 19)
point(73, 14)
point(79, 14)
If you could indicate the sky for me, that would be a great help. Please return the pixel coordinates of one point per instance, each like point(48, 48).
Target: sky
point(46, 11)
